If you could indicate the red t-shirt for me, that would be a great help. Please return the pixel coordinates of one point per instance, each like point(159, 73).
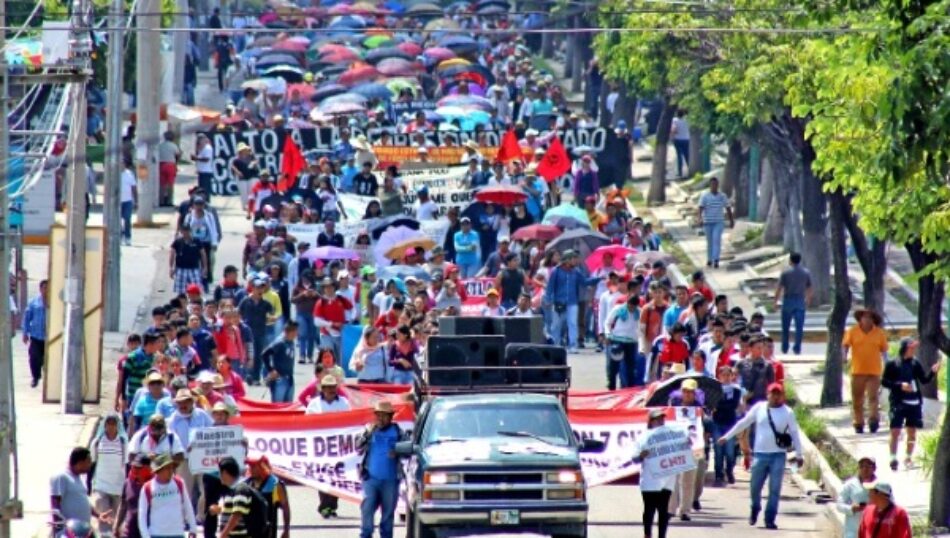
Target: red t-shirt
point(894, 524)
point(332, 310)
point(779, 369)
point(674, 352)
point(705, 291)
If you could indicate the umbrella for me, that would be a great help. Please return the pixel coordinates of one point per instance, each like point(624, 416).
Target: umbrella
point(482, 3)
point(390, 238)
point(452, 62)
point(326, 48)
point(291, 45)
point(582, 241)
point(286, 72)
point(328, 90)
point(424, 9)
point(619, 252)
point(375, 41)
point(459, 44)
point(536, 232)
point(471, 69)
point(492, 10)
point(336, 56)
point(379, 54)
point(348, 21)
point(438, 53)
point(399, 84)
point(441, 24)
point(330, 253)
point(276, 58)
point(306, 90)
point(649, 257)
point(559, 215)
point(712, 390)
point(397, 251)
point(398, 67)
point(466, 101)
point(263, 41)
point(392, 222)
point(403, 272)
point(258, 84)
point(348, 97)
point(342, 109)
point(372, 90)
point(473, 89)
point(504, 195)
point(410, 48)
point(355, 75)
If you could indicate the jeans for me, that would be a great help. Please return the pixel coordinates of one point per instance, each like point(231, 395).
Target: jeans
point(713, 231)
point(569, 318)
point(126, 210)
point(37, 354)
point(253, 373)
point(724, 456)
point(469, 270)
point(771, 465)
point(655, 502)
point(682, 155)
point(205, 180)
point(333, 343)
point(308, 335)
point(625, 368)
point(793, 308)
point(382, 495)
point(282, 390)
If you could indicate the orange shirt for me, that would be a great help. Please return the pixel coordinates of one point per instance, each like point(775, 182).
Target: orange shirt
point(866, 350)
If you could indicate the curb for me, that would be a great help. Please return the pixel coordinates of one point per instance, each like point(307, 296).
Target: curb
point(830, 483)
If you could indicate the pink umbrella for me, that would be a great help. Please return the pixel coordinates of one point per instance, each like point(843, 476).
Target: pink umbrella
point(596, 260)
point(473, 89)
point(340, 57)
point(292, 46)
point(439, 53)
point(410, 48)
point(330, 253)
point(398, 67)
point(342, 109)
point(306, 90)
point(340, 9)
point(332, 47)
point(356, 75)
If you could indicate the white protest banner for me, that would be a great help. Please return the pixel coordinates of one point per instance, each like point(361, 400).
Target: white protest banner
point(671, 450)
point(208, 446)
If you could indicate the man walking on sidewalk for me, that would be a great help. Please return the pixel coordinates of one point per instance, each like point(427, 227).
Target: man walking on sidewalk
point(713, 209)
point(34, 332)
point(881, 517)
point(868, 345)
point(904, 377)
point(794, 288)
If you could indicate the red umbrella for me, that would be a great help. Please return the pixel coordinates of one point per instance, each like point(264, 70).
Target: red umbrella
point(339, 56)
point(290, 45)
point(410, 48)
point(398, 67)
point(355, 75)
point(502, 195)
point(332, 47)
point(536, 232)
point(619, 252)
point(306, 90)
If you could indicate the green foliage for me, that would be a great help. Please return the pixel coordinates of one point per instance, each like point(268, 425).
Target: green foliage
point(927, 450)
point(55, 10)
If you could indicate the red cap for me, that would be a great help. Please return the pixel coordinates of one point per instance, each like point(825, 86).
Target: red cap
point(773, 387)
point(193, 289)
point(254, 456)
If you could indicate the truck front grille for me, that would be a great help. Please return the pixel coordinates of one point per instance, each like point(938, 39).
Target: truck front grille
point(508, 486)
point(507, 478)
point(502, 495)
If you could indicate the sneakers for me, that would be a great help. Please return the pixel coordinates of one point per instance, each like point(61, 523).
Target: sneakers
point(873, 425)
point(34, 383)
point(908, 463)
point(859, 428)
point(685, 517)
point(719, 483)
point(326, 513)
point(771, 526)
point(894, 464)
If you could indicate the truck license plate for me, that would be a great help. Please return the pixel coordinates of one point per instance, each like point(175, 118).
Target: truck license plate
point(505, 517)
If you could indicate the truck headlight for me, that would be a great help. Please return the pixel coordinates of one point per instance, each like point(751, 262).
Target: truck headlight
point(564, 477)
point(441, 479)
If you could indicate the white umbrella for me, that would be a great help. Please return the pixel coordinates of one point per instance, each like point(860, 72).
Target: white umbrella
point(391, 238)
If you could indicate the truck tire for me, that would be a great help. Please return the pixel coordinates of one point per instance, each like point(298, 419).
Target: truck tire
point(415, 529)
point(581, 535)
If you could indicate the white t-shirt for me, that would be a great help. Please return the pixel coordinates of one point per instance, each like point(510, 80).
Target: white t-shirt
point(382, 301)
point(202, 166)
point(128, 183)
point(649, 481)
point(142, 443)
point(318, 405)
point(427, 210)
point(110, 458)
point(170, 513)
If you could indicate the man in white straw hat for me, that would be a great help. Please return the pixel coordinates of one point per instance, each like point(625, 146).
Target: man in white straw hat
point(380, 470)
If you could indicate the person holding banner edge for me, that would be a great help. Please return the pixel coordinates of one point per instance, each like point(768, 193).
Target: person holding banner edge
point(655, 489)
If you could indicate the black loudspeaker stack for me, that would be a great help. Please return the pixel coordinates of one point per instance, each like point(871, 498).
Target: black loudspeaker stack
point(516, 330)
point(552, 359)
point(474, 352)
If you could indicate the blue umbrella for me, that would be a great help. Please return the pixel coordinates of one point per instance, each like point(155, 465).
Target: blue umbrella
point(402, 272)
point(381, 53)
point(372, 90)
point(348, 21)
point(394, 5)
point(328, 90)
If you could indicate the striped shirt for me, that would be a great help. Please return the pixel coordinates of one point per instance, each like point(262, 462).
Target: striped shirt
point(235, 501)
point(713, 206)
point(136, 365)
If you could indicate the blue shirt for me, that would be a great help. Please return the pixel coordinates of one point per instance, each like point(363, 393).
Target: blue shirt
point(564, 286)
point(380, 464)
point(346, 180)
point(343, 150)
point(34, 319)
point(183, 425)
point(145, 408)
point(672, 315)
point(166, 407)
point(466, 247)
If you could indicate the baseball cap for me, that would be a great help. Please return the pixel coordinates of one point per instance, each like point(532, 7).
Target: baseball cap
point(492, 291)
point(255, 456)
point(881, 487)
point(657, 413)
point(776, 387)
point(193, 289)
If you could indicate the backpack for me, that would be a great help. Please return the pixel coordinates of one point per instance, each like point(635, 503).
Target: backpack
point(147, 491)
point(256, 521)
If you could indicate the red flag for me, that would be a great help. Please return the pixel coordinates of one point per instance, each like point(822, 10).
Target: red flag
point(555, 162)
point(291, 163)
point(509, 149)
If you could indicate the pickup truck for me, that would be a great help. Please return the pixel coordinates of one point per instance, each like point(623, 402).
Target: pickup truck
point(494, 463)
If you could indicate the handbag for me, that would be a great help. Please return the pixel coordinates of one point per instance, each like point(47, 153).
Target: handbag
point(782, 440)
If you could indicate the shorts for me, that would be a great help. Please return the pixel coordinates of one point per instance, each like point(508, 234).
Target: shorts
point(910, 416)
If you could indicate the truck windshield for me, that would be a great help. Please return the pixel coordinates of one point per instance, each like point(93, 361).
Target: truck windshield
point(464, 422)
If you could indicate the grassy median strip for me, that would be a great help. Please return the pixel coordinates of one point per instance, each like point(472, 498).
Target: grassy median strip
point(813, 427)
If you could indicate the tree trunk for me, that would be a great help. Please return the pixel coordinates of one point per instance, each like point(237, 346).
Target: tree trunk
point(657, 193)
point(815, 253)
point(695, 151)
point(730, 174)
point(581, 58)
point(624, 109)
point(740, 204)
point(774, 224)
point(940, 480)
point(929, 315)
point(547, 45)
point(765, 190)
point(571, 49)
point(831, 387)
point(872, 255)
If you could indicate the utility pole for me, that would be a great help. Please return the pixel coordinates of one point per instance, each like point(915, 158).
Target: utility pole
point(8, 503)
point(148, 68)
point(74, 326)
point(111, 206)
point(180, 47)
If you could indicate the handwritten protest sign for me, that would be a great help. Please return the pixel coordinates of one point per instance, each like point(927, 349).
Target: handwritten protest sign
point(209, 445)
point(671, 451)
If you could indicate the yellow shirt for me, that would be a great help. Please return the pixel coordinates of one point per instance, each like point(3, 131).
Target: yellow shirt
point(271, 297)
point(866, 350)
